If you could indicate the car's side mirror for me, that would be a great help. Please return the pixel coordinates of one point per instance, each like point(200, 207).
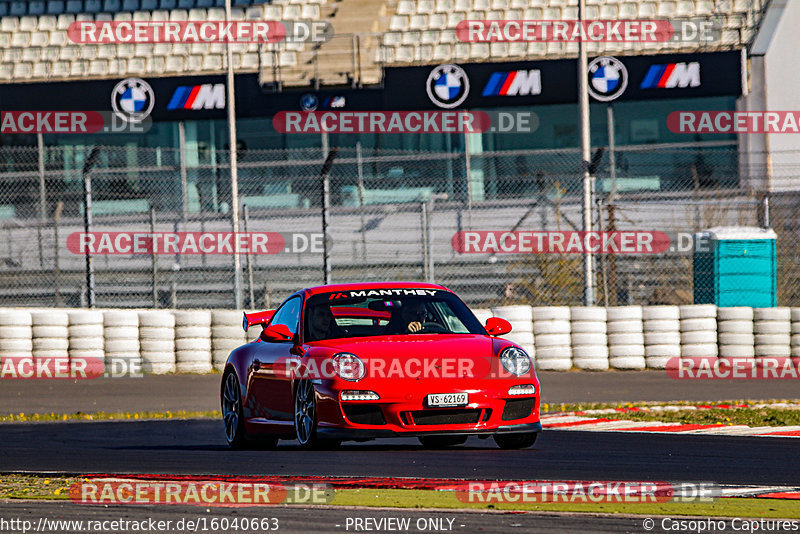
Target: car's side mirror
point(277, 332)
point(496, 326)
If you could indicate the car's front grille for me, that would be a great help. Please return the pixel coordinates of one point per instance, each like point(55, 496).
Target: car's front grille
point(364, 414)
point(517, 409)
point(446, 417)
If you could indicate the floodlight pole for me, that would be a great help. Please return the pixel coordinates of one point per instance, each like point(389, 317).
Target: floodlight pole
point(231, 101)
point(583, 106)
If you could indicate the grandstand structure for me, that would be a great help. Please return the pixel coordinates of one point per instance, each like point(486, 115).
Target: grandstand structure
point(369, 34)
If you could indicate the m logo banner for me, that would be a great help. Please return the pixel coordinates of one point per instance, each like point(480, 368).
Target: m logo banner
point(206, 96)
point(670, 75)
point(514, 83)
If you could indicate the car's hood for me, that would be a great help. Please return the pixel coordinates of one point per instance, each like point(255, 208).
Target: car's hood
point(416, 345)
point(420, 355)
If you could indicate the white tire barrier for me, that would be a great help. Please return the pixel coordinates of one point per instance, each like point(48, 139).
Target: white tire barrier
point(735, 333)
point(121, 333)
point(589, 339)
point(551, 330)
point(86, 340)
point(697, 311)
point(662, 340)
point(50, 334)
point(773, 332)
point(738, 313)
point(661, 351)
point(660, 313)
point(588, 327)
point(157, 341)
point(521, 319)
point(737, 351)
point(193, 354)
point(226, 335)
point(699, 331)
point(727, 339)
point(795, 347)
point(626, 340)
point(699, 350)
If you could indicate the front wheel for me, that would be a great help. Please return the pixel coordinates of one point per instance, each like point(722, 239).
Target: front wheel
point(305, 418)
point(515, 441)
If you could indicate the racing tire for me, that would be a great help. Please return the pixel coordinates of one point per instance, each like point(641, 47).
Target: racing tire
point(441, 442)
point(231, 402)
point(515, 441)
point(305, 419)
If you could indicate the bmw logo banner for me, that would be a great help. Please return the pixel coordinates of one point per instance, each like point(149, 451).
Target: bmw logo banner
point(608, 78)
point(448, 86)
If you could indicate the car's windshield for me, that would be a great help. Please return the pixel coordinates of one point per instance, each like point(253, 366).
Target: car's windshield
point(382, 312)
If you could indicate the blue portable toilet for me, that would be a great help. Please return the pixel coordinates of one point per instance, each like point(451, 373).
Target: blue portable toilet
point(735, 266)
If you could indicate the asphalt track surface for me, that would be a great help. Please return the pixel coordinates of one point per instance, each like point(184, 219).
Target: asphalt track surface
point(198, 447)
point(201, 392)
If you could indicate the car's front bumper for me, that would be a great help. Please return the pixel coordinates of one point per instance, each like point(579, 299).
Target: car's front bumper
point(371, 433)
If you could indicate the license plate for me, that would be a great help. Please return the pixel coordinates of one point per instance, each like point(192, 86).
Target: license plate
point(448, 399)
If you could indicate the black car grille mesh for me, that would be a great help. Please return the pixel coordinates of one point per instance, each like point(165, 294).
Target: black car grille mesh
point(364, 414)
point(446, 417)
point(517, 409)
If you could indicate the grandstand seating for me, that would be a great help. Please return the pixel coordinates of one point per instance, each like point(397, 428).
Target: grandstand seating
point(423, 31)
point(34, 44)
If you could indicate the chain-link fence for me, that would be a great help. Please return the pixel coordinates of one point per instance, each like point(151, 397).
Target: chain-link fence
point(393, 216)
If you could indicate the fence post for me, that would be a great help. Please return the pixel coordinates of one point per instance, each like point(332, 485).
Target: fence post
point(153, 254)
point(56, 262)
point(87, 221)
point(425, 227)
point(360, 164)
point(184, 181)
point(42, 186)
point(249, 259)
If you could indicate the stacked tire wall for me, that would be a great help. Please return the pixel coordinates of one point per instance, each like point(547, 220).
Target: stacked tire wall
point(626, 338)
point(16, 334)
point(193, 341)
point(157, 341)
point(662, 335)
point(735, 336)
point(551, 330)
point(773, 333)
point(589, 341)
point(557, 337)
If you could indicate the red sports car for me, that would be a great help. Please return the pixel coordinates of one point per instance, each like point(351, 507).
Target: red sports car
point(364, 361)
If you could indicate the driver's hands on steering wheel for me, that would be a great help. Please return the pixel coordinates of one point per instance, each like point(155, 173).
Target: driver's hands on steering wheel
point(414, 326)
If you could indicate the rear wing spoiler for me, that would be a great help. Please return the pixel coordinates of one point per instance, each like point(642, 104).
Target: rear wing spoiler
point(255, 318)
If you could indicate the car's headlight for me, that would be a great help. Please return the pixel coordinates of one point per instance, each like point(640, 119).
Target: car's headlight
point(515, 360)
point(349, 366)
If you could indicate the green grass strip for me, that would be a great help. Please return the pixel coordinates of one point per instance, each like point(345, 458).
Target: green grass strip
point(108, 416)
